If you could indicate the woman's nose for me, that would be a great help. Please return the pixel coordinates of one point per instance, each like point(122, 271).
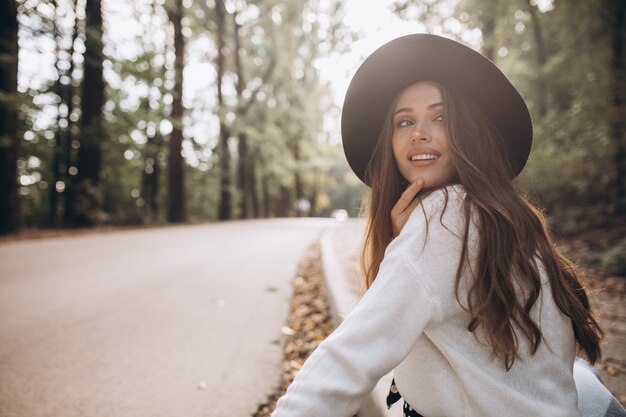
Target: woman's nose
point(420, 134)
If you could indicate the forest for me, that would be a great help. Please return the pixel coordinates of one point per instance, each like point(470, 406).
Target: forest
point(152, 112)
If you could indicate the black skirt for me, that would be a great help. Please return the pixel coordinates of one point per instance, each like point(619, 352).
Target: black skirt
point(394, 396)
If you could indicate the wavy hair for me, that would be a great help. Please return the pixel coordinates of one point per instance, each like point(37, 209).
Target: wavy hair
point(513, 233)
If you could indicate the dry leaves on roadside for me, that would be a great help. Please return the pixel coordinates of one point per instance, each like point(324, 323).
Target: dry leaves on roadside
point(309, 323)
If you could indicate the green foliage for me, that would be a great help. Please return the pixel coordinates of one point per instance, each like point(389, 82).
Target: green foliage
point(614, 260)
point(570, 169)
point(33, 165)
point(559, 56)
point(280, 105)
point(278, 108)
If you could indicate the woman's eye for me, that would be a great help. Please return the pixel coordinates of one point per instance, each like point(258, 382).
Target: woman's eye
point(404, 123)
point(438, 118)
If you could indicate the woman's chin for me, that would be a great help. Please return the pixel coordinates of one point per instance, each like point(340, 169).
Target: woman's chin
point(434, 185)
point(430, 183)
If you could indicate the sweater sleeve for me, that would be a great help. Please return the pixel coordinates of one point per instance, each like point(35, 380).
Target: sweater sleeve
point(375, 337)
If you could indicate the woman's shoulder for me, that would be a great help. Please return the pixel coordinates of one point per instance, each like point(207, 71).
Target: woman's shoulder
point(445, 199)
point(432, 239)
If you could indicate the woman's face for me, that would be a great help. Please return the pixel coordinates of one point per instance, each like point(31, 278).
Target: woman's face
point(420, 139)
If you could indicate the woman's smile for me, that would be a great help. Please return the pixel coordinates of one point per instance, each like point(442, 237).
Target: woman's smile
point(423, 157)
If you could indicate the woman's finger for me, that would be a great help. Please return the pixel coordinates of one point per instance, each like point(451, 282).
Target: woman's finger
point(404, 207)
point(407, 196)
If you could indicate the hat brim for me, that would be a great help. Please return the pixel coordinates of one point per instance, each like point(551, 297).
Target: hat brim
point(425, 57)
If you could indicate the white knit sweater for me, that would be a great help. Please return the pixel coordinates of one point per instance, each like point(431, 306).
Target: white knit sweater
point(409, 320)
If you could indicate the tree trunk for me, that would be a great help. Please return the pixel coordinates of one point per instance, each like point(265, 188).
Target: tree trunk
point(298, 182)
point(256, 208)
point(618, 123)
point(225, 210)
point(245, 173)
point(245, 178)
point(151, 170)
point(296, 148)
point(86, 187)
point(283, 203)
point(56, 167)
point(150, 176)
point(176, 210)
point(265, 192)
point(540, 58)
point(488, 32)
point(9, 219)
point(68, 153)
point(315, 193)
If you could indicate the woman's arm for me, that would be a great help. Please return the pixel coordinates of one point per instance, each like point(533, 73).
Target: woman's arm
point(372, 340)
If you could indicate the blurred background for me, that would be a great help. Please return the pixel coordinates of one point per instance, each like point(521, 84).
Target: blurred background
point(148, 112)
point(145, 113)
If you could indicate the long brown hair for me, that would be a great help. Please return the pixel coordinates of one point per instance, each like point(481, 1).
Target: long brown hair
point(512, 233)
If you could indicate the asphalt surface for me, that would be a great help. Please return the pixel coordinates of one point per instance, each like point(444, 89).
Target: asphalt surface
point(176, 321)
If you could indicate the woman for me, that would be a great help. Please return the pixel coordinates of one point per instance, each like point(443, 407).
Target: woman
point(468, 302)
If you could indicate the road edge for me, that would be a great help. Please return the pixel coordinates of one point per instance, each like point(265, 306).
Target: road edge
point(342, 301)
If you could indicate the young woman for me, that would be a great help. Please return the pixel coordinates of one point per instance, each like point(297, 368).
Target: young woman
point(469, 302)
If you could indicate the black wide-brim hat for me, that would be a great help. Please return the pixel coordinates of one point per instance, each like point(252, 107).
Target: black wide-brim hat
point(424, 57)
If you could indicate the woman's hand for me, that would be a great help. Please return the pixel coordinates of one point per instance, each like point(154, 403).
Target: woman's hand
point(404, 207)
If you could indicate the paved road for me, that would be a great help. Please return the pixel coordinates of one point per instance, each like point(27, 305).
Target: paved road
point(137, 323)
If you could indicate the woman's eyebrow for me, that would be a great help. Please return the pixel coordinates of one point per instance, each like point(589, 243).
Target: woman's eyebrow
point(408, 109)
point(403, 110)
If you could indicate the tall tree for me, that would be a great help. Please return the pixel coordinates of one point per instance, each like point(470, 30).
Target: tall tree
point(151, 184)
point(617, 26)
point(8, 116)
point(57, 151)
point(150, 175)
point(540, 58)
point(245, 168)
point(246, 152)
point(488, 30)
point(64, 89)
point(85, 200)
point(225, 205)
point(68, 95)
point(176, 207)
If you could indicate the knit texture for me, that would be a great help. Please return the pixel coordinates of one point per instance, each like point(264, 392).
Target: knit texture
point(409, 320)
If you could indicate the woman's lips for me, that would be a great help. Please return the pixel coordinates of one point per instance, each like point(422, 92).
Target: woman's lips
point(423, 157)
